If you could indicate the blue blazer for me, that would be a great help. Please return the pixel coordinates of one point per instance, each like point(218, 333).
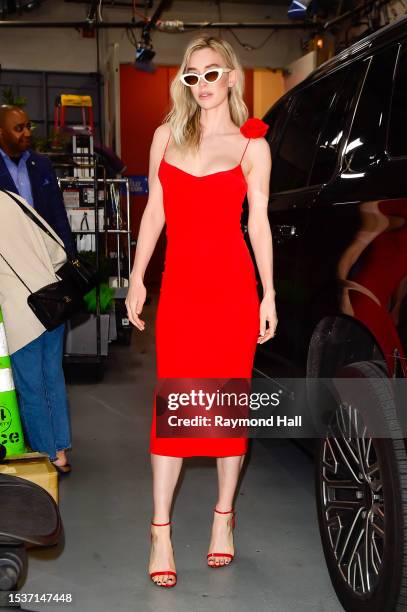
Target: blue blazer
point(47, 196)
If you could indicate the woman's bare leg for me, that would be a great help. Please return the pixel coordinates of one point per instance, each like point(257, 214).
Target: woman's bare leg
point(222, 536)
point(166, 471)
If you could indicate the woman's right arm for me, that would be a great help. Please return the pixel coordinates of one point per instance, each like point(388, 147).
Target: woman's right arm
point(151, 225)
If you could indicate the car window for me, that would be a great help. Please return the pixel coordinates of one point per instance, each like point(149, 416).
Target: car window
point(276, 118)
point(350, 79)
point(367, 136)
point(397, 138)
point(295, 155)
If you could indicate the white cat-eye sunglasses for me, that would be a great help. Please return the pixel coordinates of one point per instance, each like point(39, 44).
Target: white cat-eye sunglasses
point(209, 76)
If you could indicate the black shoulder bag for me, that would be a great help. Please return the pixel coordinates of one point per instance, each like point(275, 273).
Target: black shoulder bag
point(57, 302)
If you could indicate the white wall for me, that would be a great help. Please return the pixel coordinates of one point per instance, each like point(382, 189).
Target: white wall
point(48, 49)
point(300, 69)
point(66, 50)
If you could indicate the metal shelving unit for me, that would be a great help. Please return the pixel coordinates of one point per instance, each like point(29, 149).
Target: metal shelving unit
point(85, 162)
point(118, 232)
point(101, 188)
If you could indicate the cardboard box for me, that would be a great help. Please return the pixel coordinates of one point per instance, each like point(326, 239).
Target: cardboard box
point(35, 467)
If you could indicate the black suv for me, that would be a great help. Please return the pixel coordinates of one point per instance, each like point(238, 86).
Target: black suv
point(338, 213)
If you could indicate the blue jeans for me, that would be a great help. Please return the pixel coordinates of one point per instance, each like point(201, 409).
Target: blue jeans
point(40, 385)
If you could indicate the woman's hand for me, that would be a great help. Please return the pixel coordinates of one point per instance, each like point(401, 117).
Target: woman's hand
point(267, 313)
point(136, 296)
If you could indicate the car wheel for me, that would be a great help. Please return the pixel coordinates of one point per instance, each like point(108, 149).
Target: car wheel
point(361, 496)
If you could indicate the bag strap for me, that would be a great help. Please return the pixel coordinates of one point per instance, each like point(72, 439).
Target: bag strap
point(34, 219)
point(37, 222)
point(18, 276)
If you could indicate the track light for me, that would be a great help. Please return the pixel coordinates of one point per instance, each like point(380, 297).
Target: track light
point(7, 7)
point(28, 5)
point(298, 9)
point(145, 53)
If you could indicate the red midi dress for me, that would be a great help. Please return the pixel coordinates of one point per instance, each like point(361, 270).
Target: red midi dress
point(207, 320)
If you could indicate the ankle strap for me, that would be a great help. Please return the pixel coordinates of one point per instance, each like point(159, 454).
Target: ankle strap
point(160, 524)
point(233, 511)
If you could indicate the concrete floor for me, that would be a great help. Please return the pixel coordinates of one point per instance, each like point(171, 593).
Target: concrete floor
point(106, 507)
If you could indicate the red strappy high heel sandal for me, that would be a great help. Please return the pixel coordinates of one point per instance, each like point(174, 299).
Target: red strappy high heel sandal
point(163, 572)
point(219, 554)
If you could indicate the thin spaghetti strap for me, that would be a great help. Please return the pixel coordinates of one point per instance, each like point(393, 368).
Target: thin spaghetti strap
point(166, 145)
point(244, 150)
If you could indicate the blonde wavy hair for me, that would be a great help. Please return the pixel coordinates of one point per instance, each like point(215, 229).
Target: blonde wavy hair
point(184, 116)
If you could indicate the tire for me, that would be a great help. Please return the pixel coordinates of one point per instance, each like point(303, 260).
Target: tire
point(369, 511)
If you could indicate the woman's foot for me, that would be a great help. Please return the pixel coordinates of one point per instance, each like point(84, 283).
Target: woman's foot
point(61, 463)
point(162, 555)
point(221, 539)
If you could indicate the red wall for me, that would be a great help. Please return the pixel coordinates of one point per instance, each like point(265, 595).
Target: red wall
point(144, 99)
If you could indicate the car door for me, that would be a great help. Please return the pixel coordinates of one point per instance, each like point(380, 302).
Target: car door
point(292, 196)
point(360, 181)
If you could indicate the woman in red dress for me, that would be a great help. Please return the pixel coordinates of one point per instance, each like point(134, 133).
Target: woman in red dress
point(204, 158)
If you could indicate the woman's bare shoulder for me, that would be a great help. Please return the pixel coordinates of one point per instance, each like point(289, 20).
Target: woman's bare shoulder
point(259, 144)
point(259, 150)
point(160, 138)
point(162, 132)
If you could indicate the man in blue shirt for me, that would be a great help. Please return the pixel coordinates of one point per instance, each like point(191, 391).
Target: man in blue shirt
point(41, 390)
point(30, 174)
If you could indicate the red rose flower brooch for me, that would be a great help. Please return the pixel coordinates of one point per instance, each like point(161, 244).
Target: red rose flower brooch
point(254, 128)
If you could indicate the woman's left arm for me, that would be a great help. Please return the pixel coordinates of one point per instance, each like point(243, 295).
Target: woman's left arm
point(258, 182)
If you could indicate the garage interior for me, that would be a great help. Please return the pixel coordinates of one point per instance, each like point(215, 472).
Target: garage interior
point(119, 57)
